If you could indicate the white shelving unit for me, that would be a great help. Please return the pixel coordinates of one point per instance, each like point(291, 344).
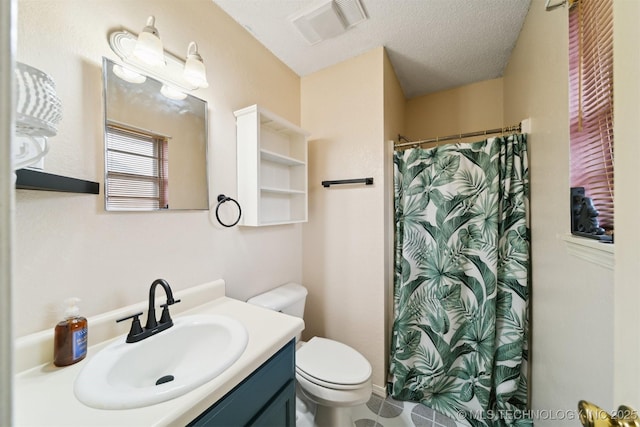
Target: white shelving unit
point(272, 168)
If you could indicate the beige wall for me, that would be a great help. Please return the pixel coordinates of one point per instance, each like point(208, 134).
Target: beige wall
point(572, 300)
point(344, 243)
point(394, 113)
point(469, 108)
point(626, 15)
point(395, 104)
point(66, 244)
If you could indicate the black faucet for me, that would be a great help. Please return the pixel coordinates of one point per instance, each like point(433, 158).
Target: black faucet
point(137, 332)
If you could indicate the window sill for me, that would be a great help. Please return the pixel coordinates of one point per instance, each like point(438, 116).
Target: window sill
point(590, 250)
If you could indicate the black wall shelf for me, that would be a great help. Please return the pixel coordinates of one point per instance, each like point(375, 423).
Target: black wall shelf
point(35, 180)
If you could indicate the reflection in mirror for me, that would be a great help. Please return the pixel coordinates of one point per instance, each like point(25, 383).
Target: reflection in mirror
point(155, 144)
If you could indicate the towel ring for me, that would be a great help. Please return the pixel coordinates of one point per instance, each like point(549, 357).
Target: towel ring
point(221, 199)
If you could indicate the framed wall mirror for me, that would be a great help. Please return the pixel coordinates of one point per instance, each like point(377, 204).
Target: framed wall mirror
point(155, 144)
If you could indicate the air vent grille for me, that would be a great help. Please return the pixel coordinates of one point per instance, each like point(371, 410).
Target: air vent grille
point(352, 12)
point(328, 20)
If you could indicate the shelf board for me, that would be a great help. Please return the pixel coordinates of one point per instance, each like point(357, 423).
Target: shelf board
point(279, 158)
point(283, 222)
point(28, 179)
point(281, 190)
point(274, 126)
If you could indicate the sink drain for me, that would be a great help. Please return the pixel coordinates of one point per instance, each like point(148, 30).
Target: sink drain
point(165, 379)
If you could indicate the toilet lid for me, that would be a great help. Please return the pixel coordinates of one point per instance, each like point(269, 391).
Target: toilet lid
point(332, 362)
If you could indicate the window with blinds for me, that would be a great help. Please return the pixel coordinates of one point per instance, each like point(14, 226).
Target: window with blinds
point(591, 103)
point(137, 170)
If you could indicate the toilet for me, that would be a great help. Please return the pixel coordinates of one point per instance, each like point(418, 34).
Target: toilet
point(330, 374)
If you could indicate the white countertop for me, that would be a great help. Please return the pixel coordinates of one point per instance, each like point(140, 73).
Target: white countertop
point(43, 394)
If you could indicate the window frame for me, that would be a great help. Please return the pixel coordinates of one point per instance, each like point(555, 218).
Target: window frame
point(591, 103)
point(142, 158)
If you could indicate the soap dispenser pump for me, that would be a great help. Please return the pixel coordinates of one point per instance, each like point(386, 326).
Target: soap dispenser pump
point(70, 340)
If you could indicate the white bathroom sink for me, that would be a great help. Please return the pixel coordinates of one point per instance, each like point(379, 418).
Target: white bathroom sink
point(193, 351)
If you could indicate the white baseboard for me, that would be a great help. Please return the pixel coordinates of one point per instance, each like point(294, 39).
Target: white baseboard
point(379, 391)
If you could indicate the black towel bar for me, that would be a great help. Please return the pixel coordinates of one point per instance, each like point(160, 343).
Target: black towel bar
point(365, 181)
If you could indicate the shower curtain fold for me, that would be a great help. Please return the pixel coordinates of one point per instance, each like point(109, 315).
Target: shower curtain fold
point(459, 339)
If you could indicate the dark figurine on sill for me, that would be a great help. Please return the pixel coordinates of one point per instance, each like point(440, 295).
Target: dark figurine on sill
point(587, 217)
point(584, 217)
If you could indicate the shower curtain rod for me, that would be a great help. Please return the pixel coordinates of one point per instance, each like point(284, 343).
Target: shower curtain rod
point(510, 129)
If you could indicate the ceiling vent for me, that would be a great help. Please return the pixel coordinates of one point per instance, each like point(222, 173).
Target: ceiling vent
point(328, 20)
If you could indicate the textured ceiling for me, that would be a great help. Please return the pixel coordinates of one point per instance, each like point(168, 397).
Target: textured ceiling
point(432, 44)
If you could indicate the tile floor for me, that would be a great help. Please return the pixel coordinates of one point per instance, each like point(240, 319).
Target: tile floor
point(379, 412)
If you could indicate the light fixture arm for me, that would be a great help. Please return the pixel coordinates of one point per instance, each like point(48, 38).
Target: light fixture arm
point(193, 49)
point(151, 26)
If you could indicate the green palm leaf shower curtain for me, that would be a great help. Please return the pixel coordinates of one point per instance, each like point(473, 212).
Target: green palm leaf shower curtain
point(459, 342)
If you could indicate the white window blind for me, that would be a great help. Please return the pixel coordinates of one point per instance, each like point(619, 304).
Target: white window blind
point(591, 102)
point(137, 169)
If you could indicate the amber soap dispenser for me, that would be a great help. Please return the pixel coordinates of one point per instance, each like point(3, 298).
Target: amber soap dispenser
point(70, 341)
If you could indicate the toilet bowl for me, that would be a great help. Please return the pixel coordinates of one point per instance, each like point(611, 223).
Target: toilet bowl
point(330, 374)
point(335, 377)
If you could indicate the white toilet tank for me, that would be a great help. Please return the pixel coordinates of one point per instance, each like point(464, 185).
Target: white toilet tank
point(288, 299)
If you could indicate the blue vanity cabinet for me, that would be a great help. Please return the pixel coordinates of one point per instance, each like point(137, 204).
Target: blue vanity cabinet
point(267, 397)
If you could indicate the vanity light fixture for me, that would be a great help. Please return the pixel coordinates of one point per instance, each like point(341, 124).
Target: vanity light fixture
point(149, 47)
point(194, 70)
point(144, 54)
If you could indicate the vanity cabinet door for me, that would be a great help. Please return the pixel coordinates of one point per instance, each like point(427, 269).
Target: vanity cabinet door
point(281, 411)
point(267, 397)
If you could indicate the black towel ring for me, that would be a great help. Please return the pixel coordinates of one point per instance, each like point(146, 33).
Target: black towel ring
point(221, 199)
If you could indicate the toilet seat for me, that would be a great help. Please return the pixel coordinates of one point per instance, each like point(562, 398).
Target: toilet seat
point(333, 397)
point(325, 384)
point(332, 364)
